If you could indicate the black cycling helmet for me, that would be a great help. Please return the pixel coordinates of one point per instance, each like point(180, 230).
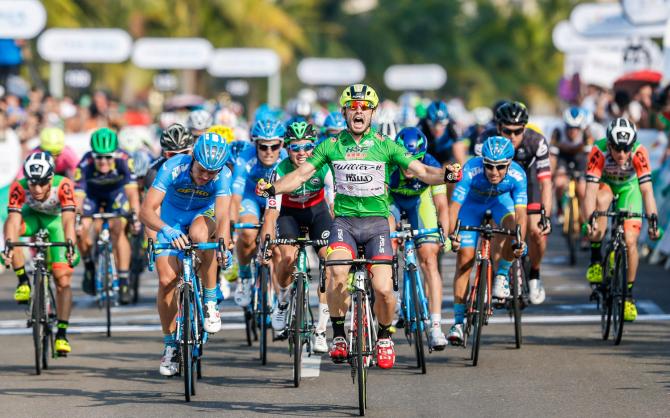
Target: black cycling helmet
point(300, 130)
point(512, 113)
point(175, 138)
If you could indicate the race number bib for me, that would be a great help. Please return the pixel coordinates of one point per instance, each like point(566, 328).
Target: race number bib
point(359, 178)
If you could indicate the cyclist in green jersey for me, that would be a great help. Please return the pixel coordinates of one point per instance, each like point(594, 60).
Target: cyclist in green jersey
point(361, 160)
point(306, 207)
point(42, 200)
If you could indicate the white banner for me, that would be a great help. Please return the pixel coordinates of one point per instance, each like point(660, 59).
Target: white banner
point(602, 67)
point(607, 19)
point(566, 39)
point(243, 62)
point(415, 77)
point(21, 19)
point(646, 12)
point(172, 53)
point(331, 71)
point(84, 45)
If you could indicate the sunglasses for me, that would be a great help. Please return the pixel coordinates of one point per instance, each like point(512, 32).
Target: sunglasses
point(362, 104)
point(621, 147)
point(103, 157)
point(274, 147)
point(497, 167)
point(515, 132)
point(40, 182)
point(208, 172)
point(303, 147)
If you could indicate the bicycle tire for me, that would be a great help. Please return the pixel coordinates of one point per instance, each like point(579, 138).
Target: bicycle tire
point(106, 288)
point(619, 290)
point(186, 348)
point(48, 340)
point(264, 314)
point(480, 313)
point(361, 348)
point(418, 320)
point(248, 325)
point(38, 316)
point(606, 300)
point(298, 326)
point(516, 281)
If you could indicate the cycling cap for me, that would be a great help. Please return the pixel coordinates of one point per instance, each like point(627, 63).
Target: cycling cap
point(300, 130)
point(52, 140)
point(413, 140)
point(512, 113)
point(199, 120)
point(268, 129)
point(175, 138)
point(359, 92)
point(497, 149)
point(211, 151)
point(621, 133)
point(437, 112)
point(38, 166)
point(104, 141)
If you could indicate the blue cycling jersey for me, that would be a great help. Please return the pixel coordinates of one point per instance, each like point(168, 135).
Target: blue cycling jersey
point(476, 187)
point(174, 179)
point(248, 170)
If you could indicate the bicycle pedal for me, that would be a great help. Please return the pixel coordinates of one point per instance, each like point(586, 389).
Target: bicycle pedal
point(23, 302)
point(61, 355)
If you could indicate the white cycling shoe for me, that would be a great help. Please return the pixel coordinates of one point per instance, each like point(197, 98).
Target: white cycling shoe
point(536, 292)
point(212, 318)
point(320, 343)
point(500, 287)
point(437, 341)
point(169, 361)
point(279, 317)
point(455, 335)
point(243, 293)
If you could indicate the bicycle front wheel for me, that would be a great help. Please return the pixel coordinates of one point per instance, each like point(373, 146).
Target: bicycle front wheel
point(619, 289)
point(361, 349)
point(480, 312)
point(50, 316)
point(298, 327)
point(516, 280)
point(264, 314)
point(605, 295)
point(187, 345)
point(418, 323)
point(106, 288)
point(38, 319)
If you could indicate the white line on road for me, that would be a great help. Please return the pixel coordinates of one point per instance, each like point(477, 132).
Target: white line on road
point(311, 366)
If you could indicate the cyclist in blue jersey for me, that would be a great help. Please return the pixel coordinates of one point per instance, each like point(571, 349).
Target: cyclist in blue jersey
point(423, 204)
point(193, 195)
point(105, 182)
point(255, 163)
point(491, 182)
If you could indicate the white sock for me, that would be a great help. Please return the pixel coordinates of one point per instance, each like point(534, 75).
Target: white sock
point(436, 318)
point(324, 315)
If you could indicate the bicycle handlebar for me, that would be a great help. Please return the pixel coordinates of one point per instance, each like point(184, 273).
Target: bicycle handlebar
point(152, 247)
point(299, 241)
point(245, 225)
point(69, 245)
point(488, 229)
point(407, 233)
point(356, 261)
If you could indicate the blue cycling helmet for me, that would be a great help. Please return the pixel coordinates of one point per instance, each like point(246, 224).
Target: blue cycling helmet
point(413, 140)
point(575, 117)
point(437, 111)
point(268, 129)
point(497, 149)
point(334, 121)
point(265, 111)
point(211, 151)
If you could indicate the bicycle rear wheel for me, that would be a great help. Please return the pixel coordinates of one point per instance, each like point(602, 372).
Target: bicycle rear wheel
point(264, 314)
point(619, 287)
point(38, 319)
point(187, 344)
point(516, 280)
point(361, 349)
point(418, 320)
point(479, 314)
point(298, 326)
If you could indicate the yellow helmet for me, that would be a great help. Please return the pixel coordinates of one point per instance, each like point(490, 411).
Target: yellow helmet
point(223, 131)
point(52, 140)
point(359, 92)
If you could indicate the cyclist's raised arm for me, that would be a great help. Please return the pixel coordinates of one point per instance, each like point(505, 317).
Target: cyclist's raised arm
point(295, 179)
point(427, 174)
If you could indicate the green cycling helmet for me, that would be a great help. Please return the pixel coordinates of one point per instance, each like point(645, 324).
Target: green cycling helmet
point(104, 141)
point(300, 130)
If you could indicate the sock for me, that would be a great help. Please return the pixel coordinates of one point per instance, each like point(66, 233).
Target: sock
point(62, 328)
point(21, 274)
point(210, 295)
point(168, 339)
point(534, 274)
point(324, 314)
point(630, 290)
point(338, 326)
point(384, 331)
point(596, 255)
point(435, 319)
point(283, 294)
point(503, 267)
point(123, 277)
point(244, 271)
point(459, 313)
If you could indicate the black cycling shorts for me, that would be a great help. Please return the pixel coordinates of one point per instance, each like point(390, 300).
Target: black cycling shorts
point(316, 219)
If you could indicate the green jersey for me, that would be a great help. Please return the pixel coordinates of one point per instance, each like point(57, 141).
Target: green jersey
point(310, 193)
point(361, 171)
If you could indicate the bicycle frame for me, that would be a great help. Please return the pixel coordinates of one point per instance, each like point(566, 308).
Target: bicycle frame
point(104, 244)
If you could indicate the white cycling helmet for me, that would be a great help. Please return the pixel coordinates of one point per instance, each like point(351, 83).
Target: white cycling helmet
point(199, 120)
point(575, 117)
point(621, 133)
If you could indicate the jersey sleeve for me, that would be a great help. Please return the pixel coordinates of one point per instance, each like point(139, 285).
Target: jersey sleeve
point(329, 186)
point(398, 155)
point(320, 154)
point(17, 197)
point(542, 157)
point(520, 187)
point(80, 176)
point(66, 195)
point(223, 182)
point(596, 163)
point(163, 178)
point(462, 188)
point(125, 167)
point(641, 164)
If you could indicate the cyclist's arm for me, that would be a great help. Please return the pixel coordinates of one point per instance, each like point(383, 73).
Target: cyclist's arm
point(222, 211)
point(460, 151)
point(594, 170)
point(234, 211)
point(521, 217)
point(442, 208)
point(648, 198)
point(67, 204)
point(149, 210)
point(68, 220)
point(590, 196)
point(547, 194)
point(454, 208)
point(133, 194)
point(427, 174)
point(295, 179)
point(269, 222)
point(544, 174)
point(12, 228)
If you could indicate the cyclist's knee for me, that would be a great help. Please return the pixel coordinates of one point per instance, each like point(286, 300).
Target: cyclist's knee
point(198, 234)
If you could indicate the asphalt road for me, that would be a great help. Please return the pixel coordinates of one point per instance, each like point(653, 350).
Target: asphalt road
point(563, 369)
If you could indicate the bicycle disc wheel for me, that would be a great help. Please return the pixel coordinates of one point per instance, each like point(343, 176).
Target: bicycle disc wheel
point(38, 318)
point(264, 314)
point(619, 290)
point(418, 320)
point(298, 326)
point(605, 296)
point(361, 348)
point(516, 278)
point(480, 305)
point(186, 344)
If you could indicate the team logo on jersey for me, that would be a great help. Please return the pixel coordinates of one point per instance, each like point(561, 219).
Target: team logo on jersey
point(315, 181)
point(325, 234)
point(542, 149)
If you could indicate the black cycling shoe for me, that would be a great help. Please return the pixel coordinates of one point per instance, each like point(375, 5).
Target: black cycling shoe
point(88, 283)
point(124, 295)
